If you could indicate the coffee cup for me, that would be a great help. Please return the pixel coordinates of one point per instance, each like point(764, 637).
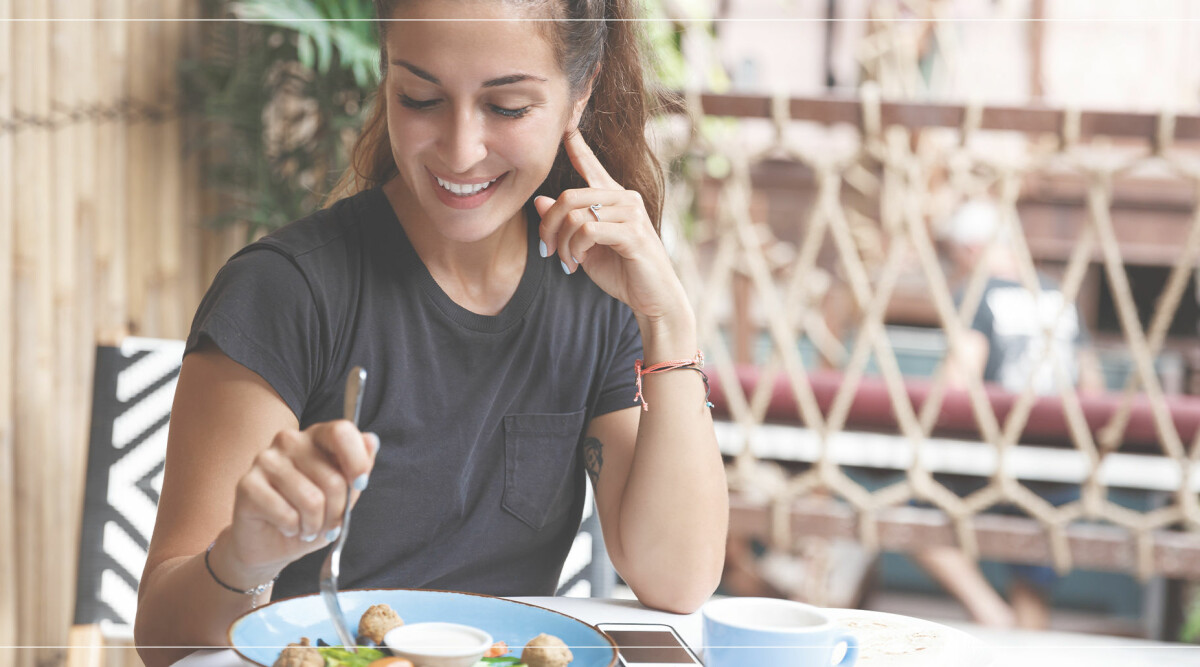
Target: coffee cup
point(770, 632)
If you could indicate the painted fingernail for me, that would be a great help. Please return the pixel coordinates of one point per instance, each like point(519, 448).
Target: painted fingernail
point(542, 249)
point(308, 538)
point(565, 269)
point(333, 534)
point(574, 260)
point(373, 440)
point(360, 482)
point(288, 533)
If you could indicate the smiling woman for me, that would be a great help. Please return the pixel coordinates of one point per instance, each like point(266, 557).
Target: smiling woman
point(500, 280)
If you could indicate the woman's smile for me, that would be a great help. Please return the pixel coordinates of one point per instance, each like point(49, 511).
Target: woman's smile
point(465, 193)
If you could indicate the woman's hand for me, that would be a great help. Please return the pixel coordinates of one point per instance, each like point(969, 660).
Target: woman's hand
point(620, 250)
point(291, 501)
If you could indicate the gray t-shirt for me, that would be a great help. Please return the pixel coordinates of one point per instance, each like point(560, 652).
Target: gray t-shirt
point(479, 483)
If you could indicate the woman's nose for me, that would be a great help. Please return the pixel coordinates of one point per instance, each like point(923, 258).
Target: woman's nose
point(463, 144)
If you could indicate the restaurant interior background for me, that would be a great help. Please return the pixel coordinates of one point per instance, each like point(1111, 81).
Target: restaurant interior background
point(808, 188)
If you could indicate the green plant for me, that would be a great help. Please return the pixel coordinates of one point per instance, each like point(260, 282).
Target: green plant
point(282, 94)
point(1190, 632)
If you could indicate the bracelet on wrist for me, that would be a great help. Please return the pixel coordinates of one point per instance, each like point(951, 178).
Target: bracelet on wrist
point(252, 592)
point(696, 363)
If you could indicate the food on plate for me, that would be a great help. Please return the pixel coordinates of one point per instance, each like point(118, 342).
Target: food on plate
point(546, 651)
point(337, 656)
point(498, 649)
point(543, 650)
point(300, 655)
point(377, 620)
point(392, 661)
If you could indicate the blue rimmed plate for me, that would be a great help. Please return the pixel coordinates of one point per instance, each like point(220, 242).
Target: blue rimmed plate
point(259, 635)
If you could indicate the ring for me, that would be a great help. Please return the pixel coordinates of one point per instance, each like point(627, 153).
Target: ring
point(595, 208)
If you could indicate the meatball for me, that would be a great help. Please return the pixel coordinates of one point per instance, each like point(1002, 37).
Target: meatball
point(546, 651)
point(377, 620)
point(300, 655)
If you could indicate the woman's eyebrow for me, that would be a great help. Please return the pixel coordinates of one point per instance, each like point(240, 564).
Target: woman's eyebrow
point(491, 83)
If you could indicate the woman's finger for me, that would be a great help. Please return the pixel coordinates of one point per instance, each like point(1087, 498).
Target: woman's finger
point(265, 503)
point(344, 444)
point(555, 211)
point(586, 228)
point(587, 164)
point(300, 492)
point(321, 472)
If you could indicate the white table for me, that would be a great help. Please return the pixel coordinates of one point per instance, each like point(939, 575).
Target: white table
point(884, 639)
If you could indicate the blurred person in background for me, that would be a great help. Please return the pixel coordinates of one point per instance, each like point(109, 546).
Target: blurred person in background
point(1005, 346)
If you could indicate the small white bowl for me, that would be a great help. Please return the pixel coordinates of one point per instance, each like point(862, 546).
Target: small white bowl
point(438, 644)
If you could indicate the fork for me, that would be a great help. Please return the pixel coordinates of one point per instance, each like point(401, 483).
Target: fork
point(333, 560)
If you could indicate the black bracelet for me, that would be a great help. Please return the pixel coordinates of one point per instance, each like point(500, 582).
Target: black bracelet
point(254, 592)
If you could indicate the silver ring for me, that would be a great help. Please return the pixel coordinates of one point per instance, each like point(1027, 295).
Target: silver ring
point(595, 208)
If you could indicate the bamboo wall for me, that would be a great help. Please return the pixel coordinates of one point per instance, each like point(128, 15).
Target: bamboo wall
point(100, 237)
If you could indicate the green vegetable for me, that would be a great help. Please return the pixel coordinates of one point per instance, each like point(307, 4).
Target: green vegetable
point(503, 660)
point(336, 656)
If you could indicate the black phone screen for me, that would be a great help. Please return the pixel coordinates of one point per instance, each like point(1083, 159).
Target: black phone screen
point(653, 646)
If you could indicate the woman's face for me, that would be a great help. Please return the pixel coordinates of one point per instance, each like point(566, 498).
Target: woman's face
point(476, 112)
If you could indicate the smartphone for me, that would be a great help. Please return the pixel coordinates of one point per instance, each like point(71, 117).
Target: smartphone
point(649, 645)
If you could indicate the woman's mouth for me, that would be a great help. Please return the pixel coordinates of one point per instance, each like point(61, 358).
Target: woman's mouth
point(464, 195)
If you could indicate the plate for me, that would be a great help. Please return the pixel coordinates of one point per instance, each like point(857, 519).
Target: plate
point(258, 636)
point(899, 641)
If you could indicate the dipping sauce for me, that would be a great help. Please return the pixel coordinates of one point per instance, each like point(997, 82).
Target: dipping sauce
point(439, 644)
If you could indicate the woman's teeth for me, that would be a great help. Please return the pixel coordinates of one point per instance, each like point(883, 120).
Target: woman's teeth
point(464, 190)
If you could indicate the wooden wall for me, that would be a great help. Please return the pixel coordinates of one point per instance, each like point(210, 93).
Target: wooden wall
point(100, 237)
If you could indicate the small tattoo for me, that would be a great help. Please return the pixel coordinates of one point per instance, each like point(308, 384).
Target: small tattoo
point(593, 458)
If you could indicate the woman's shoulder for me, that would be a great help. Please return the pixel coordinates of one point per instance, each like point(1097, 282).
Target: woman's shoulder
point(344, 226)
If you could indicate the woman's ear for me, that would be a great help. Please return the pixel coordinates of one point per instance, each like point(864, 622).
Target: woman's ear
point(580, 104)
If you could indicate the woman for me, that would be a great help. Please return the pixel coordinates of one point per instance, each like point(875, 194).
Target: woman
point(499, 331)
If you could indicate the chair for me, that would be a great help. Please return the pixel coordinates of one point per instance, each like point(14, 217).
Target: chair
point(587, 571)
point(131, 406)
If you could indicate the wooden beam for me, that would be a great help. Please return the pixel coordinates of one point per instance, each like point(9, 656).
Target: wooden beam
point(1009, 539)
point(914, 115)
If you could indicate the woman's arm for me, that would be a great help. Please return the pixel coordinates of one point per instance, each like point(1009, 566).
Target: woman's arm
point(661, 491)
point(233, 474)
point(660, 481)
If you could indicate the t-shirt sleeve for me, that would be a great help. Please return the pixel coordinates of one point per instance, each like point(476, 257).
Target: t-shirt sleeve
point(261, 313)
point(619, 387)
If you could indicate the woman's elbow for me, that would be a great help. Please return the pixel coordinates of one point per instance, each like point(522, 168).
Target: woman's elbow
point(680, 595)
point(679, 600)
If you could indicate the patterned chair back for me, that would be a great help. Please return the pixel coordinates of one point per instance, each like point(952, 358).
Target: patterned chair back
point(131, 407)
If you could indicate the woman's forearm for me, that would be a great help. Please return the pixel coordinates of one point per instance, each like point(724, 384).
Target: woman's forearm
point(181, 608)
point(675, 507)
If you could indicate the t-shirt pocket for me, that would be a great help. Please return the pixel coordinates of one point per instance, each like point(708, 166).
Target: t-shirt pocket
point(539, 451)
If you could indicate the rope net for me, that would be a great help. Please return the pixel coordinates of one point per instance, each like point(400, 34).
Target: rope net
point(879, 191)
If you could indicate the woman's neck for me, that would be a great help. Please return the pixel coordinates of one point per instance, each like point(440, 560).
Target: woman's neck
point(482, 275)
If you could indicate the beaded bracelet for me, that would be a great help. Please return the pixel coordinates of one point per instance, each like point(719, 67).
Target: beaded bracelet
point(696, 363)
point(252, 592)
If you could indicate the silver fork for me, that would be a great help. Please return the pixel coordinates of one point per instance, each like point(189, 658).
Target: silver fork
point(333, 560)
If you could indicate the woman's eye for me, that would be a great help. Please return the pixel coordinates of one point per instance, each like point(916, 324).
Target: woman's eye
point(510, 113)
point(417, 104)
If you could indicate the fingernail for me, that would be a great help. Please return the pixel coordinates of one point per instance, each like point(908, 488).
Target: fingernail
point(542, 249)
point(288, 533)
point(308, 538)
point(333, 534)
point(565, 269)
point(360, 482)
point(373, 439)
point(575, 260)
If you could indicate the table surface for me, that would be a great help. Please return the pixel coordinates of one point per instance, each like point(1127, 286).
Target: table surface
point(884, 639)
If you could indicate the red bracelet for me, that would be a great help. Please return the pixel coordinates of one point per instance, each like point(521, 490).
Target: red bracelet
point(696, 363)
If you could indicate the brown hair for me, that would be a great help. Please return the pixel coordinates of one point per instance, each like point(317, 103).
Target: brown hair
point(588, 36)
